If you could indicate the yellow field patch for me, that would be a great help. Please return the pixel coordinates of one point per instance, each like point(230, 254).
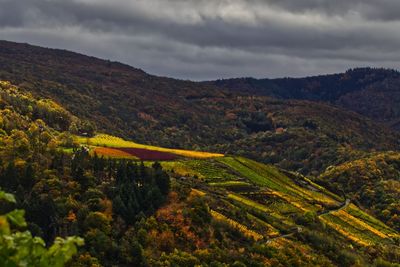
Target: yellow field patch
point(290, 200)
point(342, 214)
point(347, 234)
point(197, 192)
point(248, 202)
point(180, 168)
point(112, 141)
point(242, 228)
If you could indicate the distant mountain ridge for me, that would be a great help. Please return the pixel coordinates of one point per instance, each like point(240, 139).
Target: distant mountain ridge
point(372, 92)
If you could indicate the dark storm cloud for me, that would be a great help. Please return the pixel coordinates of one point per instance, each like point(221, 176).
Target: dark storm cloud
point(204, 39)
point(385, 10)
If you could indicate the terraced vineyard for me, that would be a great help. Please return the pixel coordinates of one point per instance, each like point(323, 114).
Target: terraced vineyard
point(271, 201)
point(358, 226)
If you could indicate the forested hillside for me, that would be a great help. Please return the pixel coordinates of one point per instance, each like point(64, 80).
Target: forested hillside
point(373, 93)
point(298, 173)
point(298, 135)
point(65, 191)
point(373, 181)
point(141, 205)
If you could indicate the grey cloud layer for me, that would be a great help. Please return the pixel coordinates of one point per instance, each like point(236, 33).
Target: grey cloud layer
point(205, 39)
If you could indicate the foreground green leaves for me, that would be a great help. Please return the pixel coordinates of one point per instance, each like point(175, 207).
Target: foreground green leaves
point(21, 249)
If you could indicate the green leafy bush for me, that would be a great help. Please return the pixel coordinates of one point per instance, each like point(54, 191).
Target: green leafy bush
point(22, 249)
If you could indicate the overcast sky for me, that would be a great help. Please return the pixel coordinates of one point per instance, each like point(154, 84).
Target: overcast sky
point(210, 39)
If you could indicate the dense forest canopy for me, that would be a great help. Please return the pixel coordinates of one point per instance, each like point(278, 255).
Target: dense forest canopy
point(71, 193)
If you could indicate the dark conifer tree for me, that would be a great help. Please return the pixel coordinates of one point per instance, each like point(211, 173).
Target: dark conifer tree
point(27, 180)
point(9, 179)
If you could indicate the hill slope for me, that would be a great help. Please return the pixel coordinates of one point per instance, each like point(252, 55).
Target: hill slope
point(373, 181)
point(269, 209)
point(124, 101)
point(373, 93)
point(197, 209)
